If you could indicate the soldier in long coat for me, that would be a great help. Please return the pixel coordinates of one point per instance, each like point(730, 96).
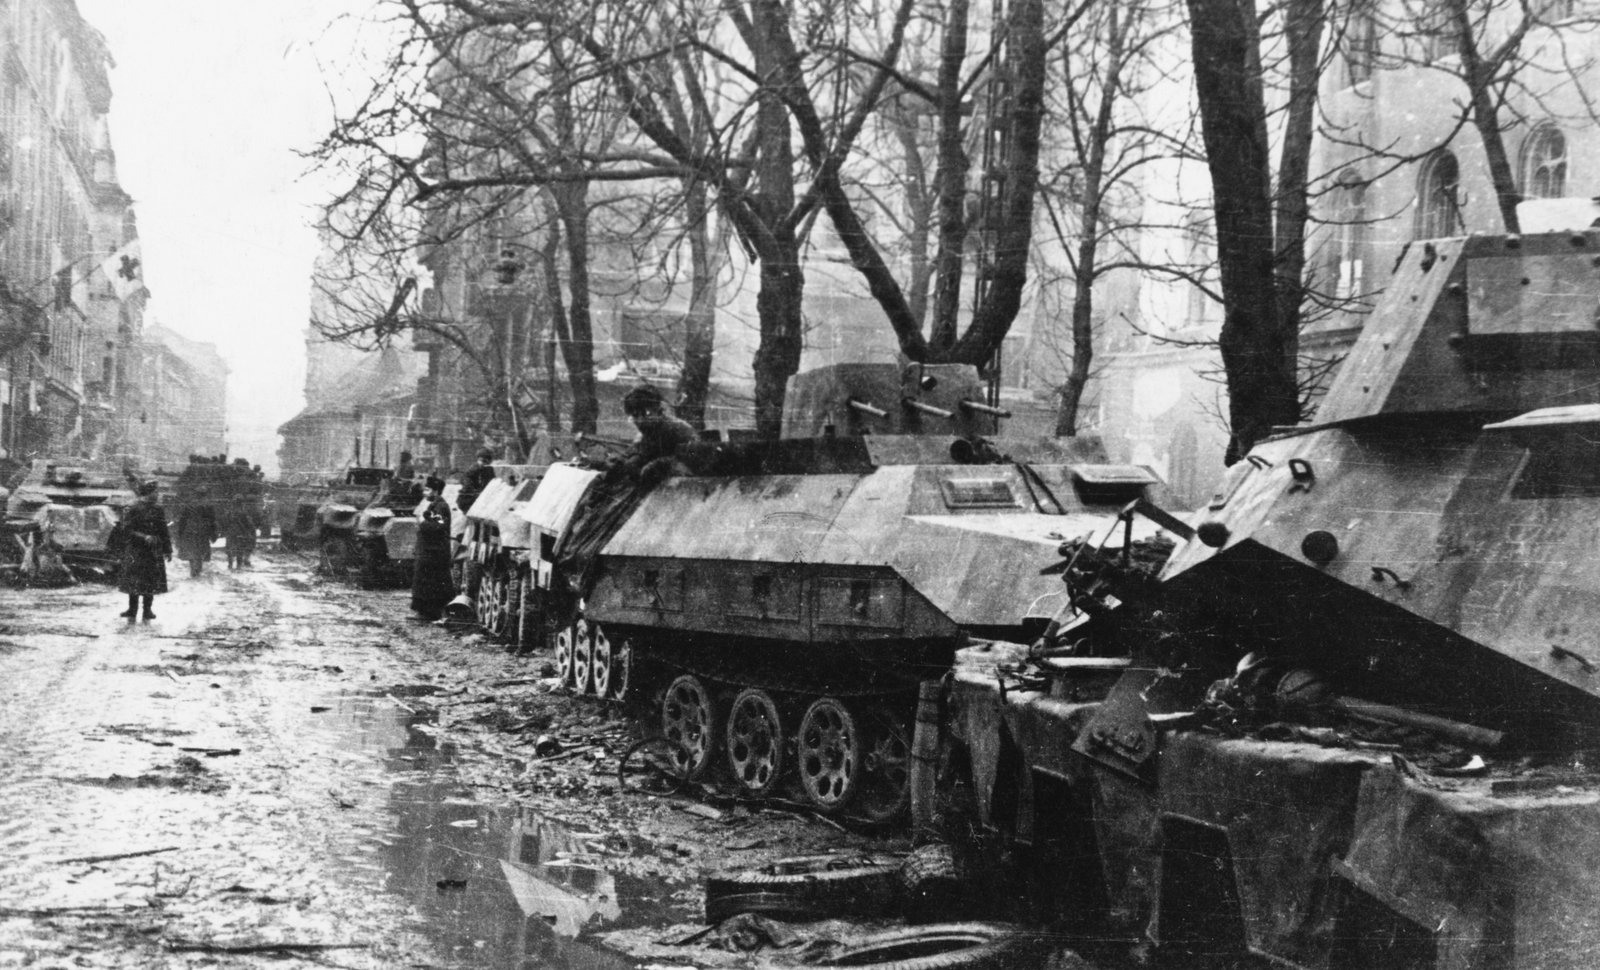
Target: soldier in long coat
point(431, 586)
point(239, 527)
point(197, 530)
point(143, 546)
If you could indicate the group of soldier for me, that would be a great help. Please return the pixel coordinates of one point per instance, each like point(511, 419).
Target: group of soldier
point(143, 542)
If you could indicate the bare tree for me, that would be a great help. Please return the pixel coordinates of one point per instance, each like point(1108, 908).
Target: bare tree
point(486, 129)
point(1100, 146)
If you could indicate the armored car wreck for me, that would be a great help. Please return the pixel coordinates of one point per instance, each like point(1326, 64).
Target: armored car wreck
point(1351, 722)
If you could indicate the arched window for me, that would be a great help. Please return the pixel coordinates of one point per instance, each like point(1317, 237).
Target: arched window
point(1544, 163)
point(1439, 197)
point(1347, 216)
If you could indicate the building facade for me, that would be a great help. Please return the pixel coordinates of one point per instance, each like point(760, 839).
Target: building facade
point(176, 399)
point(71, 336)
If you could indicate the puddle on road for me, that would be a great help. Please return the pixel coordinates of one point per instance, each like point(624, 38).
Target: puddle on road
point(490, 887)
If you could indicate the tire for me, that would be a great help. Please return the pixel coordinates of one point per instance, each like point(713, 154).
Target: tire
point(939, 946)
point(783, 906)
point(824, 885)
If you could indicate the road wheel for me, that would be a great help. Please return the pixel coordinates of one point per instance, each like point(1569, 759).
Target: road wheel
point(339, 557)
point(689, 723)
point(566, 650)
point(582, 657)
point(885, 776)
point(602, 661)
point(817, 886)
point(494, 614)
point(939, 946)
point(374, 560)
point(622, 671)
point(829, 754)
point(755, 741)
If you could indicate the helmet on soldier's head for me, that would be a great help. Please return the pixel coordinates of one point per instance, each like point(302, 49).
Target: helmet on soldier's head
point(644, 399)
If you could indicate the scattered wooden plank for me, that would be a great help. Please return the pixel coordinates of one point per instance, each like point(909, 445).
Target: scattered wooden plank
point(118, 855)
point(200, 946)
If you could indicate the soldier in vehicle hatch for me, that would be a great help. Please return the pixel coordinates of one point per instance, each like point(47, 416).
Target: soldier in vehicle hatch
point(476, 480)
point(661, 435)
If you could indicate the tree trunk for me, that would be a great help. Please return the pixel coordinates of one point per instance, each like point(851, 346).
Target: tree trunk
point(1261, 389)
point(778, 302)
point(1303, 26)
point(778, 306)
point(558, 320)
point(700, 323)
point(578, 348)
point(953, 165)
point(1008, 273)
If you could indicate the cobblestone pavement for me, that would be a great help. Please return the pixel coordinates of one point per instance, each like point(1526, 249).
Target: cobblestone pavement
point(278, 771)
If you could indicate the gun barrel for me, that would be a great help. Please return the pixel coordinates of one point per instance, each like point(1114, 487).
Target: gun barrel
point(585, 438)
point(982, 408)
point(927, 408)
point(866, 408)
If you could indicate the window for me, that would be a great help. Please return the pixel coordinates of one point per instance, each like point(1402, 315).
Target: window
point(1439, 197)
point(652, 335)
point(1360, 44)
point(1552, 11)
point(1199, 258)
point(1544, 163)
point(1343, 276)
point(1438, 31)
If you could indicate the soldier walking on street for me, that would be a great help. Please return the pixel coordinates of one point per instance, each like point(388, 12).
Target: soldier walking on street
point(142, 545)
point(197, 530)
point(239, 532)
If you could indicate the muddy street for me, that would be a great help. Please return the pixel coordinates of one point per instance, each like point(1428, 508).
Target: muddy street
point(278, 770)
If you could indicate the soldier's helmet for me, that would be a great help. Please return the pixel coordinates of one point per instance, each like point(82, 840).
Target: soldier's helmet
point(644, 399)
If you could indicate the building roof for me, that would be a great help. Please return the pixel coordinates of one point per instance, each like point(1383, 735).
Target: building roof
point(382, 378)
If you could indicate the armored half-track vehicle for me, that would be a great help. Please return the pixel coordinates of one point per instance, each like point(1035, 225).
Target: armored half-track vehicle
point(497, 544)
point(774, 612)
point(327, 519)
point(64, 509)
point(1352, 721)
point(386, 533)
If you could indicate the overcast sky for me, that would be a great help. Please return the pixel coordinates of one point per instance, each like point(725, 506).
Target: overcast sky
point(210, 101)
